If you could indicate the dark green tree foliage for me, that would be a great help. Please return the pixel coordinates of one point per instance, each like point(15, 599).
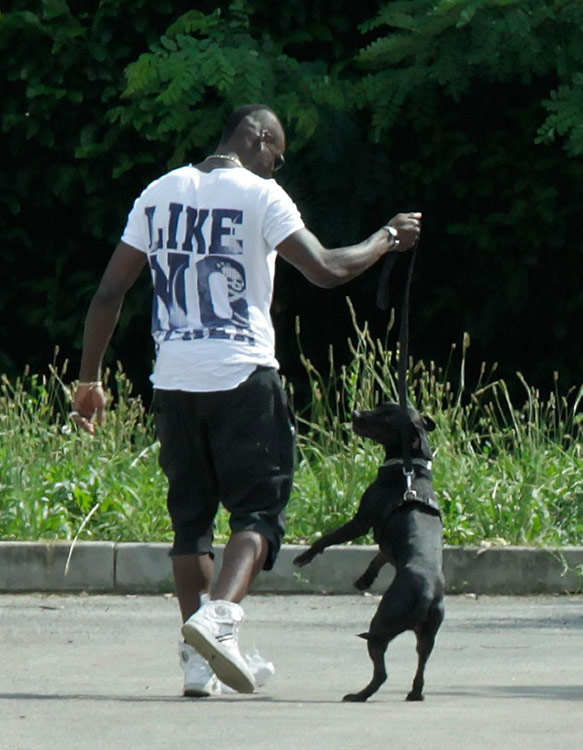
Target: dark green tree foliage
point(460, 93)
point(471, 110)
point(182, 91)
point(68, 173)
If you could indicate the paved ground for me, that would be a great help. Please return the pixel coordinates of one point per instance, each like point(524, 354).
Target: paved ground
point(93, 672)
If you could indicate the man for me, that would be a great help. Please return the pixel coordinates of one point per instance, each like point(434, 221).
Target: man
point(210, 234)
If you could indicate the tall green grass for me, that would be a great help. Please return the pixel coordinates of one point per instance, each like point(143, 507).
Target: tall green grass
point(58, 482)
point(505, 472)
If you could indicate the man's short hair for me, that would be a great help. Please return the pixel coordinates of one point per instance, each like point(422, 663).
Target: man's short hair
point(239, 114)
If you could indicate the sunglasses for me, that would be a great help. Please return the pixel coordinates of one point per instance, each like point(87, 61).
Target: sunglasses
point(278, 162)
point(278, 159)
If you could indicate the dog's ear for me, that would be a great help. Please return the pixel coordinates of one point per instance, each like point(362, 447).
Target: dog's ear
point(428, 423)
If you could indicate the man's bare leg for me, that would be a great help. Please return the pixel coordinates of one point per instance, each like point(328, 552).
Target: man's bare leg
point(243, 557)
point(192, 575)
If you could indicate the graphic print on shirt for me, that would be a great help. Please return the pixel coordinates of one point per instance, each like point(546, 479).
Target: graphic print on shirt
point(198, 298)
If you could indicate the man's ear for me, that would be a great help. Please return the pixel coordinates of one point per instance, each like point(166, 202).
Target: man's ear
point(262, 137)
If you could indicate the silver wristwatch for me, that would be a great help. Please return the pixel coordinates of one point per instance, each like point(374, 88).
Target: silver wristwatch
point(393, 232)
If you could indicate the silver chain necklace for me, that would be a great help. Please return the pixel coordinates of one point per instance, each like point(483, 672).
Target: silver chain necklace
point(234, 159)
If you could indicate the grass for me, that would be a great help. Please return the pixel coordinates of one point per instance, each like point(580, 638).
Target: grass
point(57, 481)
point(505, 473)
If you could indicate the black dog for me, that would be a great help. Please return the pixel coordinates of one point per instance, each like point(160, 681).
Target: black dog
point(407, 526)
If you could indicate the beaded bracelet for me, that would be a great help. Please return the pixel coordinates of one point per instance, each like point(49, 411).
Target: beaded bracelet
point(90, 384)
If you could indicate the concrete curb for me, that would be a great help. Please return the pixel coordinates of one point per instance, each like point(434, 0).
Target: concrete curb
point(146, 568)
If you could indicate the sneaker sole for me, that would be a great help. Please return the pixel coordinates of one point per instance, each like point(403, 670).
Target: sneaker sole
point(197, 692)
point(219, 658)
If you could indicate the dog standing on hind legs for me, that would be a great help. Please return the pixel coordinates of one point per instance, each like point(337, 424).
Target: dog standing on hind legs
point(406, 523)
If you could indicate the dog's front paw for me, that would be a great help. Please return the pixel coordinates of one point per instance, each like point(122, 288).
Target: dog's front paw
point(303, 559)
point(363, 583)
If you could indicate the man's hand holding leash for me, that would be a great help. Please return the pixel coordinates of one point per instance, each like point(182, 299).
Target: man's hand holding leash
point(404, 229)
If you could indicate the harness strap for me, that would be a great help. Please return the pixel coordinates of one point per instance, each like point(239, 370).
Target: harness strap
point(423, 462)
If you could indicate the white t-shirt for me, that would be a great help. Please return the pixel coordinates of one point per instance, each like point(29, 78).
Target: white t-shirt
point(210, 239)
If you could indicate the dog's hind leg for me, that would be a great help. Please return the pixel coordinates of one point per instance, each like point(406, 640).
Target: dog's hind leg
point(401, 608)
point(376, 650)
point(425, 633)
point(381, 633)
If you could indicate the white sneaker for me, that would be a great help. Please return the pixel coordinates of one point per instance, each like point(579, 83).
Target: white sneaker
point(260, 669)
point(213, 631)
point(199, 679)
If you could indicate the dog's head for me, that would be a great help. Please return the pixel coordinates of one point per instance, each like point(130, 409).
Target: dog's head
point(383, 425)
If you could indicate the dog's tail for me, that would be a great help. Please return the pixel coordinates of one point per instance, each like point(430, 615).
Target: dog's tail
point(370, 637)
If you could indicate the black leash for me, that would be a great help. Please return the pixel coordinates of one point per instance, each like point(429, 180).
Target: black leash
point(383, 304)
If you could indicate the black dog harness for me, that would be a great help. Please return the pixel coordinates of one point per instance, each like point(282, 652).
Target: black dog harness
point(386, 493)
point(418, 483)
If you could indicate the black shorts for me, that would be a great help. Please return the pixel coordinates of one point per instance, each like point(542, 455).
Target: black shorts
point(233, 447)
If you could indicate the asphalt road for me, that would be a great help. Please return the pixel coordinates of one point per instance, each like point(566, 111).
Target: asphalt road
point(93, 672)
